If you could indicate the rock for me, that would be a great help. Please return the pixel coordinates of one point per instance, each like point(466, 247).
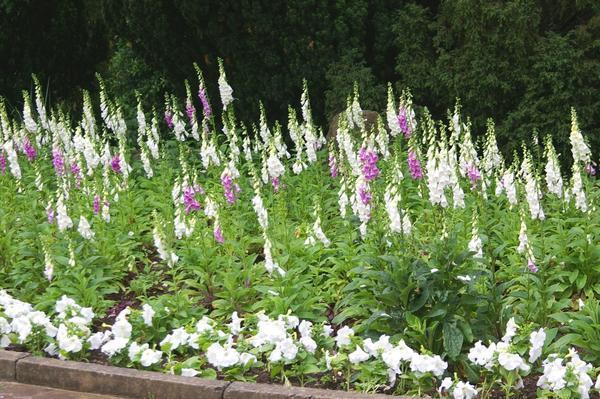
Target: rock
point(370, 118)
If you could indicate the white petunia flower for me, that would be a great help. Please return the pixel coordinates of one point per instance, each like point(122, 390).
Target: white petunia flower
point(148, 314)
point(464, 390)
point(114, 346)
point(185, 372)
point(343, 336)
point(150, 357)
point(511, 361)
point(236, 324)
point(511, 330)
point(536, 339)
point(309, 344)
point(221, 357)
point(135, 350)
point(121, 329)
point(247, 359)
point(176, 339)
point(358, 356)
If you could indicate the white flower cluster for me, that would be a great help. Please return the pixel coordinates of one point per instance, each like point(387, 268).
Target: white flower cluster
point(264, 339)
point(499, 354)
point(459, 389)
point(573, 374)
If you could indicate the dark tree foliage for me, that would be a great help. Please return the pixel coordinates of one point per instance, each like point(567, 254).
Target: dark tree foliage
point(522, 62)
point(62, 41)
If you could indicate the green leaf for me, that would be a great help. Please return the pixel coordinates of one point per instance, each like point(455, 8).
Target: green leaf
point(453, 340)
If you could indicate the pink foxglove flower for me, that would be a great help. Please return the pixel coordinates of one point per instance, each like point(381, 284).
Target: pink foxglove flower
point(218, 233)
point(333, 166)
point(473, 174)
point(403, 123)
point(169, 119)
point(414, 166)
point(29, 150)
point(230, 189)
point(50, 213)
point(96, 204)
point(2, 162)
point(115, 163)
point(365, 194)
point(369, 158)
point(590, 170)
point(189, 199)
point(76, 171)
point(275, 183)
point(205, 104)
point(58, 162)
point(190, 110)
point(531, 266)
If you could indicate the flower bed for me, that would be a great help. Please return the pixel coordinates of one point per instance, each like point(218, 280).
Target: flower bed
point(287, 347)
point(409, 260)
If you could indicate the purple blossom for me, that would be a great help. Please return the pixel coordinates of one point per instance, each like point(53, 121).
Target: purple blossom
point(333, 166)
point(76, 171)
point(589, 168)
point(275, 183)
point(473, 174)
point(531, 266)
point(365, 194)
point(369, 159)
point(205, 103)
point(227, 182)
point(190, 110)
point(58, 162)
point(218, 233)
point(189, 198)
point(115, 163)
point(405, 127)
point(2, 162)
point(414, 166)
point(50, 214)
point(169, 119)
point(96, 204)
point(29, 150)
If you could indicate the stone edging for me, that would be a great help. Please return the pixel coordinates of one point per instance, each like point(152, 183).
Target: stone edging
point(130, 383)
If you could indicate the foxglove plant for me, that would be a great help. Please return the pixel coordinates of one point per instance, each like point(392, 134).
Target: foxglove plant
point(30, 123)
point(532, 191)
point(85, 229)
point(39, 103)
point(63, 220)
point(577, 189)
point(225, 90)
point(166, 255)
point(580, 150)
point(382, 139)
point(507, 184)
point(553, 178)
point(361, 203)
point(317, 232)
point(492, 158)
point(475, 245)
point(13, 160)
point(399, 220)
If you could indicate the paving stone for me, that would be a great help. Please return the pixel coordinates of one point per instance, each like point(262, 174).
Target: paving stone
point(13, 390)
point(8, 360)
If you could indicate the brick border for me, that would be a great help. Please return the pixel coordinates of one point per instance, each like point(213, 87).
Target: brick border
point(8, 364)
point(130, 383)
